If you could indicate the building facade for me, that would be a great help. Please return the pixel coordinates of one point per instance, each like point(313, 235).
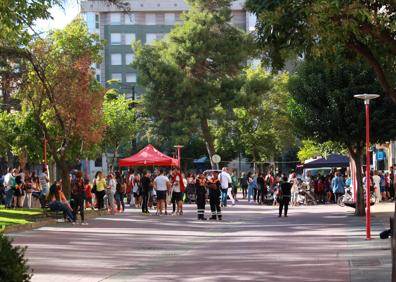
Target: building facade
point(148, 20)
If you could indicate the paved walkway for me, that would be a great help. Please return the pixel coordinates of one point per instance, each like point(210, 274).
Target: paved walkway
point(321, 243)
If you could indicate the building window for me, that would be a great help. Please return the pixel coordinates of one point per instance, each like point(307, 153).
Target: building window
point(130, 38)
point(131, 77)
point(115, 38)
point(130, 19)
point(116, 60)
point(97, 65)
point(129, 58)
point(170, 18)
point(150, 38)
point(150, 19)
point(97, 21)
point(98, 77)
point(115, 18)
point(116, 76)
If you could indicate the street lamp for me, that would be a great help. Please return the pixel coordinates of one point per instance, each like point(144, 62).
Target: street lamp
point(178, 153)
point(367, 98)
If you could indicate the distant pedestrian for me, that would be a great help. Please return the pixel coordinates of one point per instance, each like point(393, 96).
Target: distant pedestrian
point(251, 186)
point(78, 197)
point(161, 186)
point(377, 184)
point(111, 186)
point(243, 182)
point(201, 196)
point(146, 190)
point(284, 196)
point(100, 183)
point(214, 186)
point(338, 186)
point(226, 187)
point(178, 187)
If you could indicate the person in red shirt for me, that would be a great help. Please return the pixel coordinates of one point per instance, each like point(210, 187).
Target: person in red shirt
point(88, 194)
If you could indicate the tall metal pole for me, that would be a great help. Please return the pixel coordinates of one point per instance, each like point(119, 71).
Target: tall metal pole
point(368, 219)
point(367, 97)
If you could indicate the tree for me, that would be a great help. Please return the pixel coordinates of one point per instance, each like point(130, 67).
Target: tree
point(60, 91)
point(259, 126)
point(323, 108)
point(13, 265)
point(120, 121)
point(311, 149)
point(367, 28)
point(191, 72)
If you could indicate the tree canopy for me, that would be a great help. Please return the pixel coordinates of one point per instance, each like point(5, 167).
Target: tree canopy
point(193, 71)
point(323, 107)
point(367, 28)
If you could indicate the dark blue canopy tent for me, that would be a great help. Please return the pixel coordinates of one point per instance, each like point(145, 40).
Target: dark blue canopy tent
point(333, 160)
point(202, 163)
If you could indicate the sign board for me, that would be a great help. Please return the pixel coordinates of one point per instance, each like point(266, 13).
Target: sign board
point(216, 159)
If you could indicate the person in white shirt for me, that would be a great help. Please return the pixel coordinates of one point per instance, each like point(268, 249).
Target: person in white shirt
point(161, 186)
point(376, 184)
point(226, 187)
point(44, 180)
point(111, 186)
point(9, 192)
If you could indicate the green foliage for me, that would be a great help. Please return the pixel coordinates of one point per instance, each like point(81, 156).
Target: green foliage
point(120, 121)
point(20, 134)
point(367, 28)
point(323, 107)
point(13, 265)
point(193, 71)
point(259, 126)
point(311, 149)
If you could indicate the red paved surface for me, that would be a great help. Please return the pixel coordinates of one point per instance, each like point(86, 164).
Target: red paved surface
point(252, 243)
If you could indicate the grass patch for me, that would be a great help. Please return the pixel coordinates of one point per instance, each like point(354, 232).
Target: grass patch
point(18, 216)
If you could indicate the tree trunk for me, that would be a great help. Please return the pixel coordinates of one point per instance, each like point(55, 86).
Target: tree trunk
point(356, 159)
point(64, 173)
point(207, 135)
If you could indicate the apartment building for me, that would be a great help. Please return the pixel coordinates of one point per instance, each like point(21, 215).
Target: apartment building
point(149, 20)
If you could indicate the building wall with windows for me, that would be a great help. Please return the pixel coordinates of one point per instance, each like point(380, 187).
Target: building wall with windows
point(149, 20)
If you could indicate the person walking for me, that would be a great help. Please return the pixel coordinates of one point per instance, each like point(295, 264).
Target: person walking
point(214, 196)
point(234, 180)
point(201, 196)
point(161, 186)
point(78, 197)
point(284, 196)
point(243, 182)
point(146, 190)
point(226, 187)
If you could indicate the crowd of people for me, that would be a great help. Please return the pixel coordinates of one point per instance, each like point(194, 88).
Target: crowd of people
point(159, 189)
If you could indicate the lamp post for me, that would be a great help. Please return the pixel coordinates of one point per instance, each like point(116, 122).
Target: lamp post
point(367, 98)
point(178, 153)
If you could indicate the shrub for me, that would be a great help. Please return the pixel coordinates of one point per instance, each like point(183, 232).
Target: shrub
point(13, 265)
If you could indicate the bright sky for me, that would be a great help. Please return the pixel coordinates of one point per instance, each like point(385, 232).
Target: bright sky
point(61, 17)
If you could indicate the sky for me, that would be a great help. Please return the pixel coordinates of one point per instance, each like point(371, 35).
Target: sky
point(61, 17)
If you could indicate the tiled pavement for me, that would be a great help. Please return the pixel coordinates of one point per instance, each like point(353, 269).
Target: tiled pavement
point(320, 243)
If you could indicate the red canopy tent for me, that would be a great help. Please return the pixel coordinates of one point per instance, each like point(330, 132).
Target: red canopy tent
point(149, 156)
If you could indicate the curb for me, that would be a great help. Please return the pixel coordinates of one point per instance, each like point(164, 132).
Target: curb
point(49, 221)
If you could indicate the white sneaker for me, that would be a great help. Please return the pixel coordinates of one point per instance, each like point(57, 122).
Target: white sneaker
point(84, 223)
